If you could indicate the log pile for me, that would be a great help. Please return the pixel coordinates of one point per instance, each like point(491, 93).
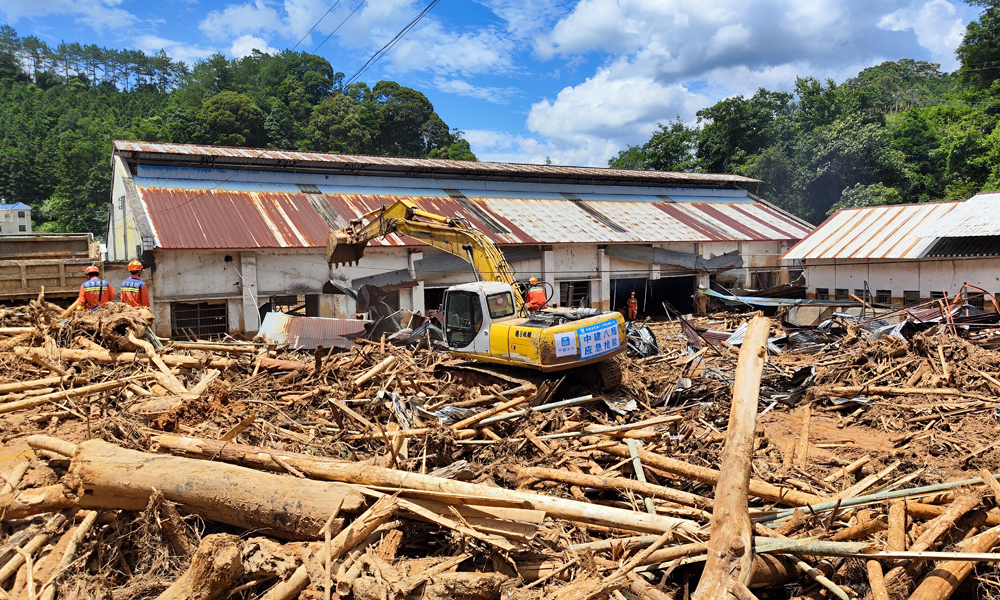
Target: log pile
point(238, 469)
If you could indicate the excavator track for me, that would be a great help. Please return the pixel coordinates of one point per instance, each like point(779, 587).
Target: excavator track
point(611, 374)
point(500, 372)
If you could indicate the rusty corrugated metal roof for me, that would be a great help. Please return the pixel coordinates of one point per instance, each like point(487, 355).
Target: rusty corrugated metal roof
point(218, 156)
point(873, 232)
point(309, 332)
point(978, 216)
point(190, 214)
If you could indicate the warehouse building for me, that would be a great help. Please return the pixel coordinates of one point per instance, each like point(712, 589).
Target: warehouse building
point(229, 232)
point(904, 253)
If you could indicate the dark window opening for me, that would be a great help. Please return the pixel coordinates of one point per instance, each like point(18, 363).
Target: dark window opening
point(463, 318)
point(574, 294)
point(883, 296)
point(290, 305)
point(22, 228)
point(434, 298)
point(842, 294)
point(975, 299)
point(763, 280)
point(204, 320)
point(677, 291)
point(20, 214)
point(501, 305)
point(861, 293)
point(312, 305)
point(822, 293)
point(911, 297)
point(937, 295)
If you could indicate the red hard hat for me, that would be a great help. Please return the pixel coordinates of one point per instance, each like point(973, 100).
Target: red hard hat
point(532, 281)
point(135, 266)
point(92, 269)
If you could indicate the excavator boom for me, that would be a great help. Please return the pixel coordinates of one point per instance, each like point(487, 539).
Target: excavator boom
point(347, 245)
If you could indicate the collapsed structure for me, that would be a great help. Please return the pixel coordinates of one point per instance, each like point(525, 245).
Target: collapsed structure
point(903, 254)
point(226, 232)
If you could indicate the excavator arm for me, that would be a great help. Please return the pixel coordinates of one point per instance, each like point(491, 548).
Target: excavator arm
point(347, 245)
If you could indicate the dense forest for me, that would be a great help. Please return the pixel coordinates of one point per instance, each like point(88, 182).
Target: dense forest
point(61, 107)
point(898, 132)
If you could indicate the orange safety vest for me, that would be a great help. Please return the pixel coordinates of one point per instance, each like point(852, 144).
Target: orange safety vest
point(135, 292)
point(95, 292)
point(536, 298)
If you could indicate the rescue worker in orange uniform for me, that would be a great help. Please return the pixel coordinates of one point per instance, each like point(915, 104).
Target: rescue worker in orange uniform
point(134, 290)
point(633, 307)
point(536, 296)
point(95, 292)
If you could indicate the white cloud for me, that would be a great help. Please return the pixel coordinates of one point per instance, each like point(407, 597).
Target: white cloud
point(496, 95)
point(239, 19)
point(499, 146)
point(935, 24)
point(184, 51)
point(98, 14)
point(246, 44)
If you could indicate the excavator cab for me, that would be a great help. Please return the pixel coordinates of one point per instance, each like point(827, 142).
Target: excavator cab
point(471, 309)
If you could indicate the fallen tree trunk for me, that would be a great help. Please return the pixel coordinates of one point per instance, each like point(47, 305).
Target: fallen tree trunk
point(106, 356)
point(21, 386)
point(730, 550)
point(570, 510)
point(108, 477)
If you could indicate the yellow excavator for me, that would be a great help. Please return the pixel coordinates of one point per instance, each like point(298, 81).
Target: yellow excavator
point(487, 320)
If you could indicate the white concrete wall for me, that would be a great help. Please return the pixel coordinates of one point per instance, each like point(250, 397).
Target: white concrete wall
point(925, 276)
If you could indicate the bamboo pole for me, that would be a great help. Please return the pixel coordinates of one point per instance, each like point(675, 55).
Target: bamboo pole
point(759, 489)
point(489, 412)
point(71, 393)
point(616, 484)
point(21, 386)
point(571, 510)
point(942, 582)
point(106, 356)
point(730, 549)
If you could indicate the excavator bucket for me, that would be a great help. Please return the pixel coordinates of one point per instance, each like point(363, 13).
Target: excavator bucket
point(340, 250)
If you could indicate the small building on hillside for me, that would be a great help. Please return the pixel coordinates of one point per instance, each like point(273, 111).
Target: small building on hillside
point(15, 218)
point(228, 232)
point(904, 253)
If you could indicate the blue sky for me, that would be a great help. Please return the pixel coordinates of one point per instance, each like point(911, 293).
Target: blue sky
point(572, 80)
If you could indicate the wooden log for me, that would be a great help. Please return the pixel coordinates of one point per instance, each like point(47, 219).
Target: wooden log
point(489, 413)
point(35, 501)
point(273, 364)
point(48, 591)
point(168, 380)
point(759, 489)
point(53, 525)
point(390, 478)
point(802, 450)
point(16, 330)
point(616, 484)
point(730, 548)
point(919, 510)
point(897, 525)
point(44, 442)
point(854, 466)
point(861, 530)
point(20, 386)
point(70, 393)
point(14, 478)
point(214, 567)
point(207, 379)
point(945, 579)
point(107, 357)
point(108, 477)
point(372, 372)
point(210, 347)
point(876, 582)
point(877, 390)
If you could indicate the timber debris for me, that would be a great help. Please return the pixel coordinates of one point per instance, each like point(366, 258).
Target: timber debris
point(740, 458)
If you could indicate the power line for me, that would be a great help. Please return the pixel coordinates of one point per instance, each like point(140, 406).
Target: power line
point(315, 25)
point(385, 49)
point(339, 26)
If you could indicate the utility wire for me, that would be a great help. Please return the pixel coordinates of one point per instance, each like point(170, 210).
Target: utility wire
point(339, 26)
point(384, 49)
point(315, 25)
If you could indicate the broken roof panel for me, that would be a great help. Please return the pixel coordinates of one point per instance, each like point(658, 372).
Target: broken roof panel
point(204, 214)
point(873, 232)
point(976, 217)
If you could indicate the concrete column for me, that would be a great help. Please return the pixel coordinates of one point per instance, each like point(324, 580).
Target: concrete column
point(602, 299)
point(233, 308)
point(417, 298)
point(548, 274)
point(248, 271)
point(161, 312)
